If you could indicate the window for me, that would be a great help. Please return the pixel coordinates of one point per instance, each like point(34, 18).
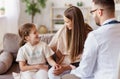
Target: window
point(2, 7)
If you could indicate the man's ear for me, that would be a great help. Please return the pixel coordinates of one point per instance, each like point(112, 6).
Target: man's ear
point(100, 12)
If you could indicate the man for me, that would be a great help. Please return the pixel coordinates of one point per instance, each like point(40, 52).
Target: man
point(102, 46)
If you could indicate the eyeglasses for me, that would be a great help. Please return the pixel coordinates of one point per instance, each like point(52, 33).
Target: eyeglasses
point(93, 11)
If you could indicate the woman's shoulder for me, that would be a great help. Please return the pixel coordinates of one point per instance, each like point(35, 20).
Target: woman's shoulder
point(60, 32)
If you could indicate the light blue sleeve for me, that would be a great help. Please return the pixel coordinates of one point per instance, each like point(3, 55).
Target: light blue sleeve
point(89, 58)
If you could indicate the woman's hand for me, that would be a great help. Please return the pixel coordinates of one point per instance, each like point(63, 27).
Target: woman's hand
point(59, 70)
point(57, 67)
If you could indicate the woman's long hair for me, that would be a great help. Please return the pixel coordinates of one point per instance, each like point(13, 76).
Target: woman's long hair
point(24, 31)
point(75, 37)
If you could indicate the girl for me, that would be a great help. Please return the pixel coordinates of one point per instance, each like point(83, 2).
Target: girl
point(33, 54)
point(68, 42)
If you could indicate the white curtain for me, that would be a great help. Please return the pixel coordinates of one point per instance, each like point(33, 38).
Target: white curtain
point(9, 22)
point(12, 15)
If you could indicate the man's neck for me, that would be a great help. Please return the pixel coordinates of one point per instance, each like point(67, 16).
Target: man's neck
point(106, 18)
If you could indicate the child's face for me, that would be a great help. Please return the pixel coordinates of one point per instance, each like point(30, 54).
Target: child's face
point(33, 37)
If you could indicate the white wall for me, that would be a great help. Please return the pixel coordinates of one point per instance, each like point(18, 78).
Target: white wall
point(40, 19)
point(2, 30)
point(44, 17)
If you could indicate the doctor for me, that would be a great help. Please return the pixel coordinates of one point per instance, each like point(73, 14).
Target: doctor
point(101, 49)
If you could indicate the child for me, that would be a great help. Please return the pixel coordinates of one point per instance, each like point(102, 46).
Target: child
point(33, 54)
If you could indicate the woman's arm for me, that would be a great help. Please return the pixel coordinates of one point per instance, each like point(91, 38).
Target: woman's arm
point(24, 67)
point(59, 57)
point(55, 42)
point(57, 52)
point(51, 61)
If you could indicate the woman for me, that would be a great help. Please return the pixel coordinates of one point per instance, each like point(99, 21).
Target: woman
point(68, 42)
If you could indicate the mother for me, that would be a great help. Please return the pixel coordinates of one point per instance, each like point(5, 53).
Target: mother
point(68, 42)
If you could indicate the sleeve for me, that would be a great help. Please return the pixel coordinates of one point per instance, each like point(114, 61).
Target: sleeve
point(89, 58)
point(54, 40)
point(21, 55)
point(48, 51)
point(118, 68)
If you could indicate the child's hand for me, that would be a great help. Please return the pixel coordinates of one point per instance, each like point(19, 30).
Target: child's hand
point(45, 67)
point(42, 66)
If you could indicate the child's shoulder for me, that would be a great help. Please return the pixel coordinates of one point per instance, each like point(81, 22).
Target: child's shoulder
point(22, 47)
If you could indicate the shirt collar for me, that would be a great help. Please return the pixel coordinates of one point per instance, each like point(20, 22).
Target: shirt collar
point(108, 20)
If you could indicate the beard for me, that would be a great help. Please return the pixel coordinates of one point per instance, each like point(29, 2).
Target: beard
point(97, 21)
point(98, 24)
